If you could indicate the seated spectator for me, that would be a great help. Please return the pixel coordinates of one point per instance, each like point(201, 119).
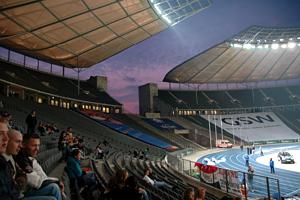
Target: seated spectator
point(60, 140)
point(190, 194)
point(5, 117)
point(116, 184)
point(99, 152)
point(75, 172)
point(8, 188)
point(13, 147)
point(41, 128)
point(39, 183)
point(132, 191)
point(151, 173)
point(122, 187)
point(155, 183)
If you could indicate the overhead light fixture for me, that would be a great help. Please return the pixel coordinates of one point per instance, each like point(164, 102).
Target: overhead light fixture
point(167, 19)
point(247, 46)
point(157, 9)
point(284, 46)
point(237, 45)
point(274, 46)
point(291, 45)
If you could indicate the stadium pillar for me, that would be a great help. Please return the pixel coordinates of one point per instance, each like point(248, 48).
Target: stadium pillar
point(210, 142)
point(8, 55)
point(232, 127)
point(78, 83)
point(216, 133)
point(221, 127)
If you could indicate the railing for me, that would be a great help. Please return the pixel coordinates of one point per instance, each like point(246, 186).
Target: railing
point(230, 181)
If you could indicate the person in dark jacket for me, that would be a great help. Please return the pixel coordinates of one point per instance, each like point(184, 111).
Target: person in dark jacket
point(132, 191)
point(8, 188)
point(31, 122)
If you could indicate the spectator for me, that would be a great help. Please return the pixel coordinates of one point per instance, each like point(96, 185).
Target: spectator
point(132, 191)
point(75, 172)
point(60, 140)
point(39, 183)
point(189, 194)
point(41, 128)
point(6, 118)
point(151, 173)
point(116, 184)
point(250, 178)
point(31, 122)
point(8, 189)
point(272, 166)
point(155, 183)
point(99, 152)
point(13, 147)
point(242, 147)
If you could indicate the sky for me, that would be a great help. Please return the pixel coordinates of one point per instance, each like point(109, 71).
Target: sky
point(150, 60)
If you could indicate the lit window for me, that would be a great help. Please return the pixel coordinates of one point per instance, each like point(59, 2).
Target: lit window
point(40, 100)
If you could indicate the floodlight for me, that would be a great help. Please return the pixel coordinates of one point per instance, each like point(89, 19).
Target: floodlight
point(284, 46)
point(167, 19)
point(291, 45)
point(275, 46)
point(157, 9)
point(247, 46)
point(237, 45)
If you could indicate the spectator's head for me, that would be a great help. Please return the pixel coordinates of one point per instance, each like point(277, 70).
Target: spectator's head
point(69, 129)
point(5, 117)
point(270, 159)
point(147, 171)
point(3, 137)
point(33, 113)
point(15, 142)
point(76, 154)
point(31, 144)
point(121, 176)
point(189, 194)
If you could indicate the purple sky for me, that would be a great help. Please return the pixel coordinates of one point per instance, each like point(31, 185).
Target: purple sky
point(150, 60)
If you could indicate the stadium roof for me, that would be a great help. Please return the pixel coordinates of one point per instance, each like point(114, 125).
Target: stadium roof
point(257, 54)
point(80, 33)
